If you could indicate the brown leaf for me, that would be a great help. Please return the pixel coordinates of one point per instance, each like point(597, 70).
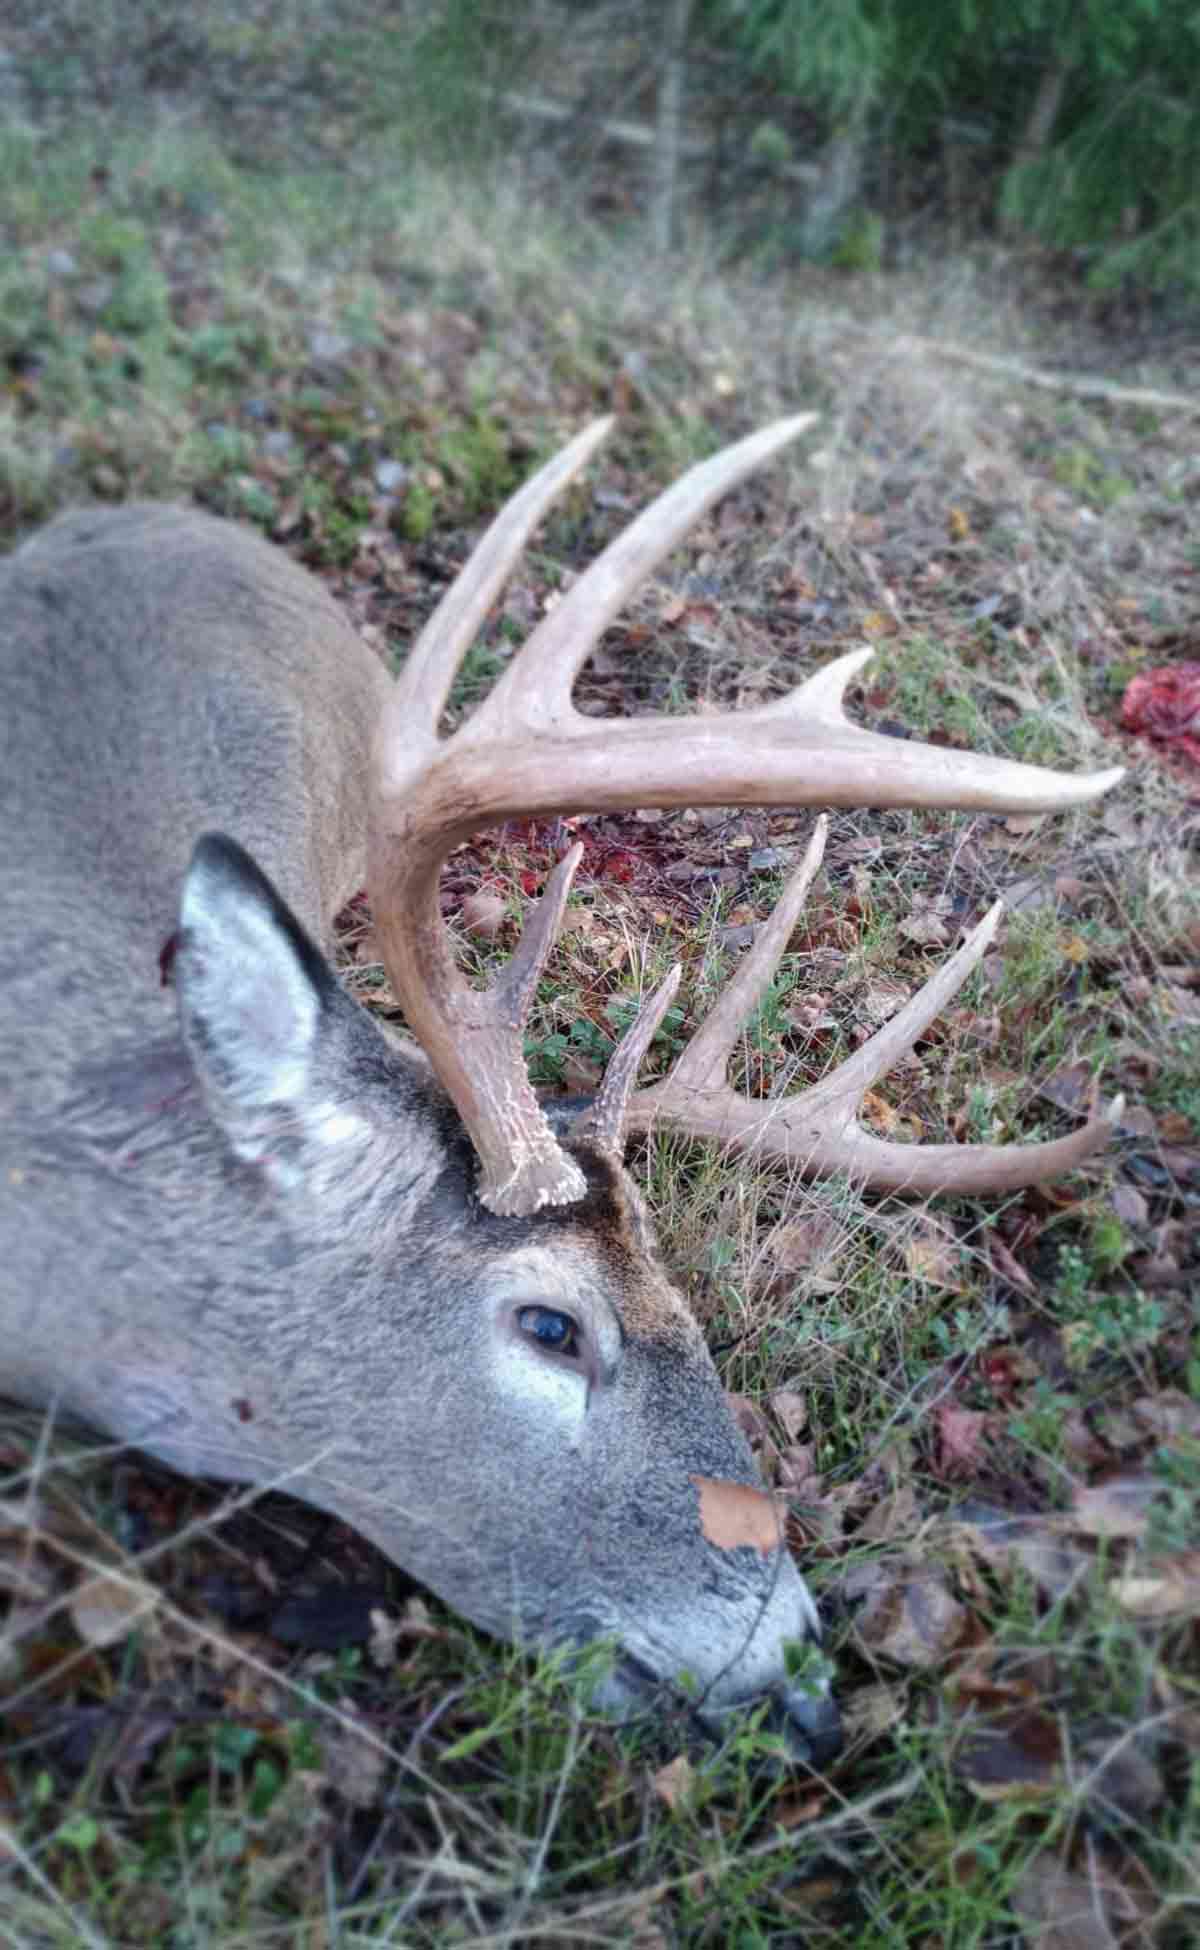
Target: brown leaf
point(1168, 1414)
point(1119, 1507)
point(1163, 704)
point(1005, 1541)
point(108, 1607)
point(1071, 1087)
point(673, 1784)
point(880, 998)
point(931, 1255)
point(871, 1711)
point(1129, 1205)
point(354, 1763)
point(961, 1436)
point(1012, 1755)
point(790, 1411)
point(483, 914)
point(796, 1473)
point(733, 1515)
point(1167, 1587)
point(894, 1516)
point(909, 1614)
point(1097, 1909)
point(926, 927)
point(1006, 1266)
point(1119, 1772)
point(751, 1420)
point(812, 1241)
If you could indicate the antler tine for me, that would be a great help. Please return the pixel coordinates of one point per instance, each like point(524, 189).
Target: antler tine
point(603, 1122)
point(419, 694)
point(702, 1064)
point(817, 1132)
point(536, 688)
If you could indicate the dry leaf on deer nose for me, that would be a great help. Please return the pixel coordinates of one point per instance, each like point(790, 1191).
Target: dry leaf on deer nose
point(733, 1515)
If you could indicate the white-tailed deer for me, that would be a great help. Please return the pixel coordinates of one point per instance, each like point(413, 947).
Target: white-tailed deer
point(249, 1231)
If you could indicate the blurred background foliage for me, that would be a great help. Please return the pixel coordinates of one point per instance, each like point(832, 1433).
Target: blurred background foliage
point(857, 133)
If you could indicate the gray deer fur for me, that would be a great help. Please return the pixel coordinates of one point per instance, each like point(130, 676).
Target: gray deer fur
point(237, 1221)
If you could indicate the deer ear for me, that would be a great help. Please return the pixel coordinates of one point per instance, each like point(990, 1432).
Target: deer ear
point(253, 995)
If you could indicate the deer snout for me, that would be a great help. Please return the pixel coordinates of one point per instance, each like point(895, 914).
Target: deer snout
point(811, 1725)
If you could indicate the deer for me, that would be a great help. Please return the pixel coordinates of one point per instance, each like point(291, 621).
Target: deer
point(262, 1237)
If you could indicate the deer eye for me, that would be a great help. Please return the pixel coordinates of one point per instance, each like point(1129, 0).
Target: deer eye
point(556, 1332)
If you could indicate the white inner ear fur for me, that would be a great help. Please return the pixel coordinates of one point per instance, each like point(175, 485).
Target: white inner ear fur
point(256, 994)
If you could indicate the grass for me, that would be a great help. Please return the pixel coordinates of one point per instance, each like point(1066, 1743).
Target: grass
point(265, 343)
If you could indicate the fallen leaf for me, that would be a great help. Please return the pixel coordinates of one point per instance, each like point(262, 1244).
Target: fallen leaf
point(1119, 1772)
point(894, 1516)
point(353, 1763)
point(961, 1436)
point(752, 1421)
point(879, 999)
point(1006, 1368)
point(1071, 1087)
point(1163, 704)
point(1011, 1755)
point(673, 1784)
point(807, 1244)
point(794, 1811)
point(483, 914)
point(1168, 1587)
point(734, 1515)
point(931, 1255)
point(1006, 1541)
point(1096, 1909)
point(796, 1473)
point(878, 1114)
point(1168, 1414)
point(872, 1711)
point(1129, 1205)
point(926, 927)
point(1119, 1507)
point(1006, 1267)
point(790, 1411)
point(908, 1614)
point(108, 1607)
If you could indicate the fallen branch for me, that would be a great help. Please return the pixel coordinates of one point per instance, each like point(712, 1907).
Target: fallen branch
point(1079, 384)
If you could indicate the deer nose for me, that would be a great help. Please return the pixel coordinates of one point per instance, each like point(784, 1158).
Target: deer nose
point(812, 1726)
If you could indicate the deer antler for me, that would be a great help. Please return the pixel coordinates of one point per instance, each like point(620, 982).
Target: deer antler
point(818, 1131)
point(527, 751)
